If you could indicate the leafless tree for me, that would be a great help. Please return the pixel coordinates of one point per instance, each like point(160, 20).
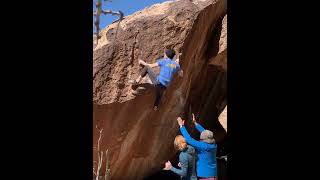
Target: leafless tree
point(100, 11)
point(100, 160)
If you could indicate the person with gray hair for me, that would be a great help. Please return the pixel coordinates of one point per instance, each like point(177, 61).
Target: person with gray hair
point(206, 150)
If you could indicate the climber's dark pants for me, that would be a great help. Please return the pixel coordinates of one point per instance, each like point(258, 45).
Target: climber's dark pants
point(159, 92)
point(153, 77)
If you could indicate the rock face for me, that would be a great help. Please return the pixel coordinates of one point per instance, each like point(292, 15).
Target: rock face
point(223, 118)
point(139, 139)
point(143, 35)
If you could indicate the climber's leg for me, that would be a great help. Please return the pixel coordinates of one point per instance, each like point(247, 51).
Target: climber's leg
point(152, 75)
point(159, 92)
point(144, 71)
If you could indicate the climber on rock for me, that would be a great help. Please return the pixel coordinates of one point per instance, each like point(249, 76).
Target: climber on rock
point(168, 67)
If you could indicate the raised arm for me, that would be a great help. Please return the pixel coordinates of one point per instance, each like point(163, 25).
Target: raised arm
point(197, 125)
point(196, 144)
point(180, 73)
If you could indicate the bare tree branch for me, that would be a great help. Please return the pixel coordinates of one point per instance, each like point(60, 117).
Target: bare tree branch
point(100, 156)
point(99, 165)
point(99, 139)
point(107, 166)
point(100, 11)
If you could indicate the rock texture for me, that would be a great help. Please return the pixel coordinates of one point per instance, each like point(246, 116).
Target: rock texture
point(223, 118)
point(139, 139)
point(143, 35)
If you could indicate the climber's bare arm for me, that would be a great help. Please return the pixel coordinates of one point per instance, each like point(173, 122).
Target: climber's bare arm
point(147, 64)
point(153, 65)
point(180, 73)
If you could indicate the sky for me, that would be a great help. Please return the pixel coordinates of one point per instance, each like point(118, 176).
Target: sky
point(126, 6)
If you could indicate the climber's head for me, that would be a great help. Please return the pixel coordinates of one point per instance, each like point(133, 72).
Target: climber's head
point(169, 53)
point(180, 143)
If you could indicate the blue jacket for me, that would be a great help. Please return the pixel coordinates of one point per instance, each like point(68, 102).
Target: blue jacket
point(187, 159)
point(207, 162)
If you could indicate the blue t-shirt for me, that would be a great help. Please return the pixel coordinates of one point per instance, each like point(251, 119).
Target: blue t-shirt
point(167, 69)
